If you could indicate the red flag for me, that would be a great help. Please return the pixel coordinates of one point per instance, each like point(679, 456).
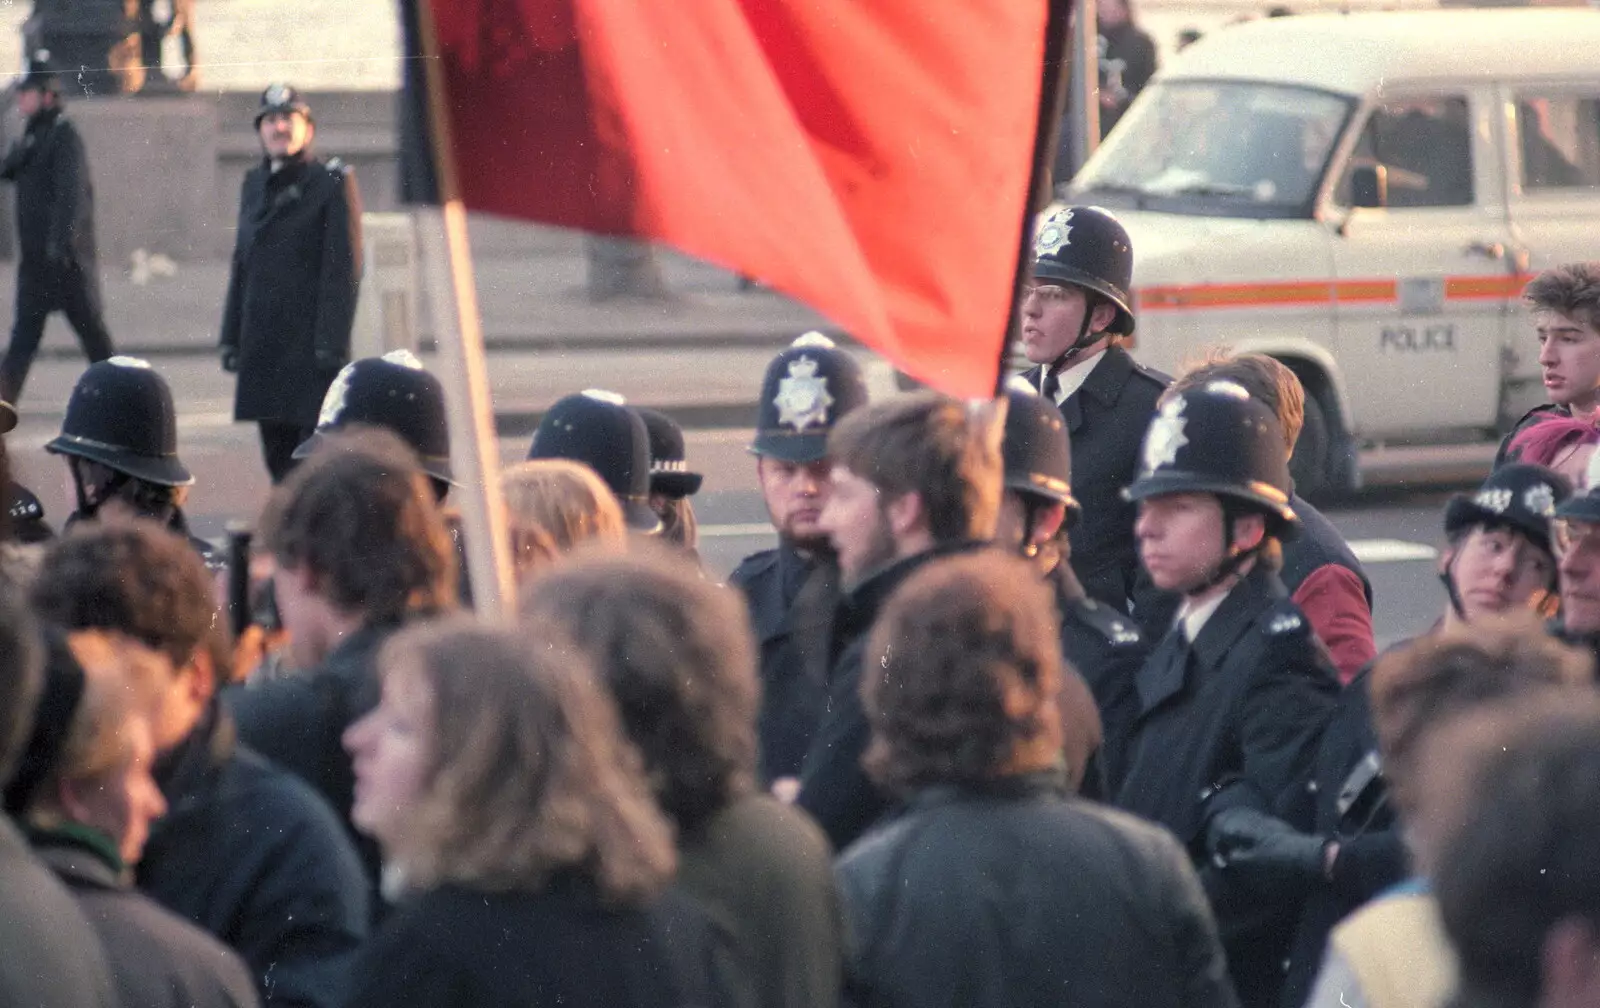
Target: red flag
point(872, 159)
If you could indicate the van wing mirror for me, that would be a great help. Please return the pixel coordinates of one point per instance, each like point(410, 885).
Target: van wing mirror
point(1369, 185)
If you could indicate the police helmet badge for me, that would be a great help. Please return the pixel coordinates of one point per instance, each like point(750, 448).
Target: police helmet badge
point(1166, 435)
point(277, 94)
point(1540, 499)
point(334, 402)
point(1056, 232)
point(404, 358)
point(803, 397)
point(1494, 501)
point(121, 360)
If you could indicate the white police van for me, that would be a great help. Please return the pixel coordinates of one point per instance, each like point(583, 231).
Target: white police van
point(1364, 197)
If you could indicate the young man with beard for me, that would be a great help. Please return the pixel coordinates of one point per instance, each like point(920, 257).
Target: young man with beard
point(1565, 305)
point(1233, 700)
point(914, 479)
point(792, 590)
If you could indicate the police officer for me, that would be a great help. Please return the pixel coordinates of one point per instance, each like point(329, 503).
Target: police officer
point(1232, 702)
point(600, 429)
point(1075, 311)
point(672, 483)
point(1575, 534)
point(1104, 645)
point(55, 227)
point(292, 290)
point(395, 392)
point(24, 520)
point(120, 440)
point(792, 590)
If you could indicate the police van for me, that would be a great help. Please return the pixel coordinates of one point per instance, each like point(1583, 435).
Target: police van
point(1364, 197)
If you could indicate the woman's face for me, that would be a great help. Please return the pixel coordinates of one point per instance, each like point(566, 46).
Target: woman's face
point(391, 749)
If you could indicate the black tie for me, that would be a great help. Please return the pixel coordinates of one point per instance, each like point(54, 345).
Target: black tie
point(1164, 672)
point(1051, 386)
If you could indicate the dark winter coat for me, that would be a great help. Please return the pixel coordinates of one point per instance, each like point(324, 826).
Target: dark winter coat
point(1106, 422)
point(292, 291)
point(833, 786)
point(253, 856)
point(158, 960)
point(52, 956)
point(1014, 895)
point(763, 872)
point(459, 947)
point(55, 197)
point(1233, 719)
point(298, 722)
point(793, 638)
point(1107, 648)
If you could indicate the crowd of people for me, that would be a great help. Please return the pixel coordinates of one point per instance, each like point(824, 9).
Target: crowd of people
point(1060, 698)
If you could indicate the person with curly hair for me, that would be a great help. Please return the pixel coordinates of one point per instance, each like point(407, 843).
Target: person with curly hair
point(996, 888)
point(520, 840)
point(677, 656)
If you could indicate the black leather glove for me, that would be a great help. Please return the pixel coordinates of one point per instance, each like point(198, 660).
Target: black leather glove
point(230, 360)
point(1264, 852)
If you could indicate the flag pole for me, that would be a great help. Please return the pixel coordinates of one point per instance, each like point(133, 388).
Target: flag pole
point(452, 288)
point(1052, 99)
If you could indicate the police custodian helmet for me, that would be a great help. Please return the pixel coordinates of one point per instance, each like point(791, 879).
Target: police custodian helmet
point(281, 98)
point(394, 392)
point(1087, 247)
point(121, 415)
point(599, 429)
point(1521, 496)
point(1216, 439)
point(1036, 449)
point(669, 461)
point(807, 388)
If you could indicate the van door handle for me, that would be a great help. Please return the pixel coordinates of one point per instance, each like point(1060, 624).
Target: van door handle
point(1484, 249)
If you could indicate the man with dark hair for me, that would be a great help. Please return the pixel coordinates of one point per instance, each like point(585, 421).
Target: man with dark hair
point(361, 549)
point(913, 479)
point(994, 888)
point(1565, 304)
point(675, 653)
point(1233, 700)
point(57, 270)
point(246, 851)
point(793, 589)
point(1323, 576)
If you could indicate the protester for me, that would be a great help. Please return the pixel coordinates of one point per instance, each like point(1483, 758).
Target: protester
point(1323, 576)
point(53, 957)
point(913, 479)
point(246, 851)
point(995, 888)
point(1575, 534)
point(599, 429)
point(360, 550)
point(1104, 646)
point(89, 799)
point(1233, 700)
point(291, 297)
point(1558, 443)
point(1075, 314)
point(554, 506)
point(792, 590)
point(671, 482)
point(676, 655)
point(1517, 885)
point(1392, 951)
point(57, 269)
point(1565, 304)
point(517, 829)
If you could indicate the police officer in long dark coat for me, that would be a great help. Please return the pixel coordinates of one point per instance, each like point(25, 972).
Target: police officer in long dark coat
point(1076, 310)
point(792, 590)
point(55, 226)
point(292, 292)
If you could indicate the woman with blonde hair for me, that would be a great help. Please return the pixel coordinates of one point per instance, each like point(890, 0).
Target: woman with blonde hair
point(554, 506)
point(518, 834)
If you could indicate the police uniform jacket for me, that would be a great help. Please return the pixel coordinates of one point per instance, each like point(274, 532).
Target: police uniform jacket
point(1011, 894)
point(1233, 720)
point(1107, 648)
point(1106, 421)
point(292, 290)
point(55, 199)
point(793, 643)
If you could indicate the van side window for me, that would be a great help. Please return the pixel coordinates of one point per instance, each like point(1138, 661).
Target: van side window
point(1426, 145)
point(1559, 136)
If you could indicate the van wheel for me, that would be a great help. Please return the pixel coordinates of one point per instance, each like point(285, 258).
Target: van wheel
point(1309, 465)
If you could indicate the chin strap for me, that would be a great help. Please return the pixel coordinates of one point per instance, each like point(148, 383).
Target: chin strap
point(89, 503)
point(1230, 564)
point(1085, 339)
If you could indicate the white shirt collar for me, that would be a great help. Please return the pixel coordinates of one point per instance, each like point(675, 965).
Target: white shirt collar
point(1072, 378)
point(1194, 619)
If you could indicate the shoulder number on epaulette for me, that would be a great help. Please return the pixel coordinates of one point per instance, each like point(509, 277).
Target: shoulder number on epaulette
point(337, 166)
point(1117, 630)
point(1286, 622)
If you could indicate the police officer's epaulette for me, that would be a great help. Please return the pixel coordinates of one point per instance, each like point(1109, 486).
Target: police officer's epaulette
point(24, 505)
point(1117, 629)
point(1282, 619)
point(337, 166)
point(1161, 378)
point(752, 565)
